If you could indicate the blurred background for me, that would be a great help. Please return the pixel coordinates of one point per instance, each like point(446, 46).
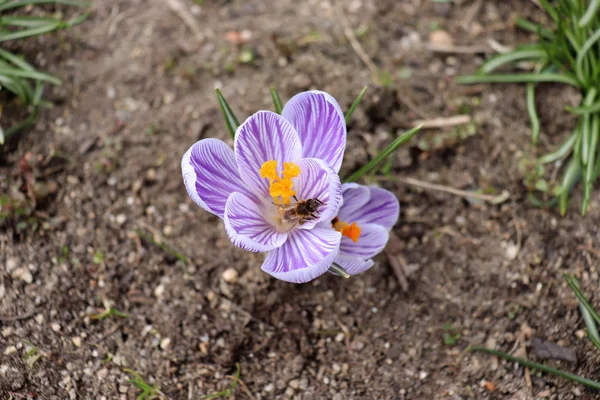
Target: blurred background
point(116, 285)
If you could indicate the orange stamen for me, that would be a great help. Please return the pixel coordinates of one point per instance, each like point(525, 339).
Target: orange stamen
point(350, 231)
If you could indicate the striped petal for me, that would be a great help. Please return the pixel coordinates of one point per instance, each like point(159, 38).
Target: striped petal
point(264, 136)
point(306, 255)
point(247, 227)
point(210, 175)
point(382, 208)
point(353, 265)
point(320, 124)
point(317, 180)
point(371, 242)
point(355, 198)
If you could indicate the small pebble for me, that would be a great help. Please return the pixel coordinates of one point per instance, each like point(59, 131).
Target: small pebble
point(441, 38)
point(77, 341)
point(269, 388)
point(159, 291)
point(121, 218)
point(39, 319)
point(422, 375)
point(294, 384)
point(165, 343)
point(23, 274)
point(10, 350)
point(230, 276)
point(340, 337)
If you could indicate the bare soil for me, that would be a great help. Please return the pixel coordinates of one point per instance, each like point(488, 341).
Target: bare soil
point(112, 225)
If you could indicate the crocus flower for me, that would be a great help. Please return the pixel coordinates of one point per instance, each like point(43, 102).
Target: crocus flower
point(278, 162)
point(365, 219)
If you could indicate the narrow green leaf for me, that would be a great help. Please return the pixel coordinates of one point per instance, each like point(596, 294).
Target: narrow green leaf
point(30, 74)
point(230, 119)
point(518, 78)
point(276, 101)
point(517, 55)
point(18, 61)
point(561, 152)
point(365, 169)
point(535, 121)
point(338, 270)
point(355, 104)
point(569, 178)
point(23, 3)
point(581, 56)
point(582, 110)
point(590, 323)
point(585, 128)
point(29, 121)
point(581, 297)
point(550, 10)
point(29, 32)
point(533, 27)
point(539, 367)
point(594, 130)
point(591, 12)
point(26, 21)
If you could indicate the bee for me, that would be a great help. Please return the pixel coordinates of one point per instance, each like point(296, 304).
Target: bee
point(301, 211)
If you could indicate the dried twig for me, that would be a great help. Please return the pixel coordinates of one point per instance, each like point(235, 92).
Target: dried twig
point(181, 10)
point(397, 261)
point(501, 198)
point(443, 121)
point(444, 48)
point(349, 33)
point(18, 317)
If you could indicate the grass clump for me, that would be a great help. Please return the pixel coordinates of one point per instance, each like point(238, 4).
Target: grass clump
point(566, 52)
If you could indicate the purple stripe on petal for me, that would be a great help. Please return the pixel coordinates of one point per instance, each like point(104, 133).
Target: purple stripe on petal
point(262, 137)
point(371, 242)
point(317, 180)
point(382, 208)
point(321, 127)
point(355, 197)
point(306, 255)
point(354, 265)
point(247, 227)
point(210, 174)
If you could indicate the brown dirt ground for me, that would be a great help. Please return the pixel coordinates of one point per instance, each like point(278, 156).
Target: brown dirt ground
point(139, 89)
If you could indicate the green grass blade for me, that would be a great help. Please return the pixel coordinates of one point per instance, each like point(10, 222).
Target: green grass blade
point(29, 32)
point(535, 121)
point(591, 329)
point(585, 129)
point(518, 78)
point(23, 3)
point(517, 55)
point(571, 175)
point(30, 75)
point(581, 297)
point(276, 101)
point(230, 119)
point(594, 127)
point(539, 367)
point(27, 122)
point(582, 110)
point(76, 20)
point(383, 154)
point(533, 27)
point(355, 104)
point(581, 56)
point(561, 152)
point(591, 12)
point(26, 21)
point(18, 61)
point(550, 10)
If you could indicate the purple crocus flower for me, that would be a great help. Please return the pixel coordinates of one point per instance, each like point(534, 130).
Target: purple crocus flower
point(365, 219)
point(278, 163)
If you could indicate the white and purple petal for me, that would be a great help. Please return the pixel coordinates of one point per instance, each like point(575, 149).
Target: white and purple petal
point(353, 265)
point(317, 180)
point(372, 241)
point(382, 208)
point(210, 175)
point(320, 124)
point(246, 226)
point(355, 197)
point(264, 136)
point(306, 255)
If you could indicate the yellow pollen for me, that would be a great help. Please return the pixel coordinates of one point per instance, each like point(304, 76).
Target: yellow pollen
point(350, 231)
point(280, 188)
